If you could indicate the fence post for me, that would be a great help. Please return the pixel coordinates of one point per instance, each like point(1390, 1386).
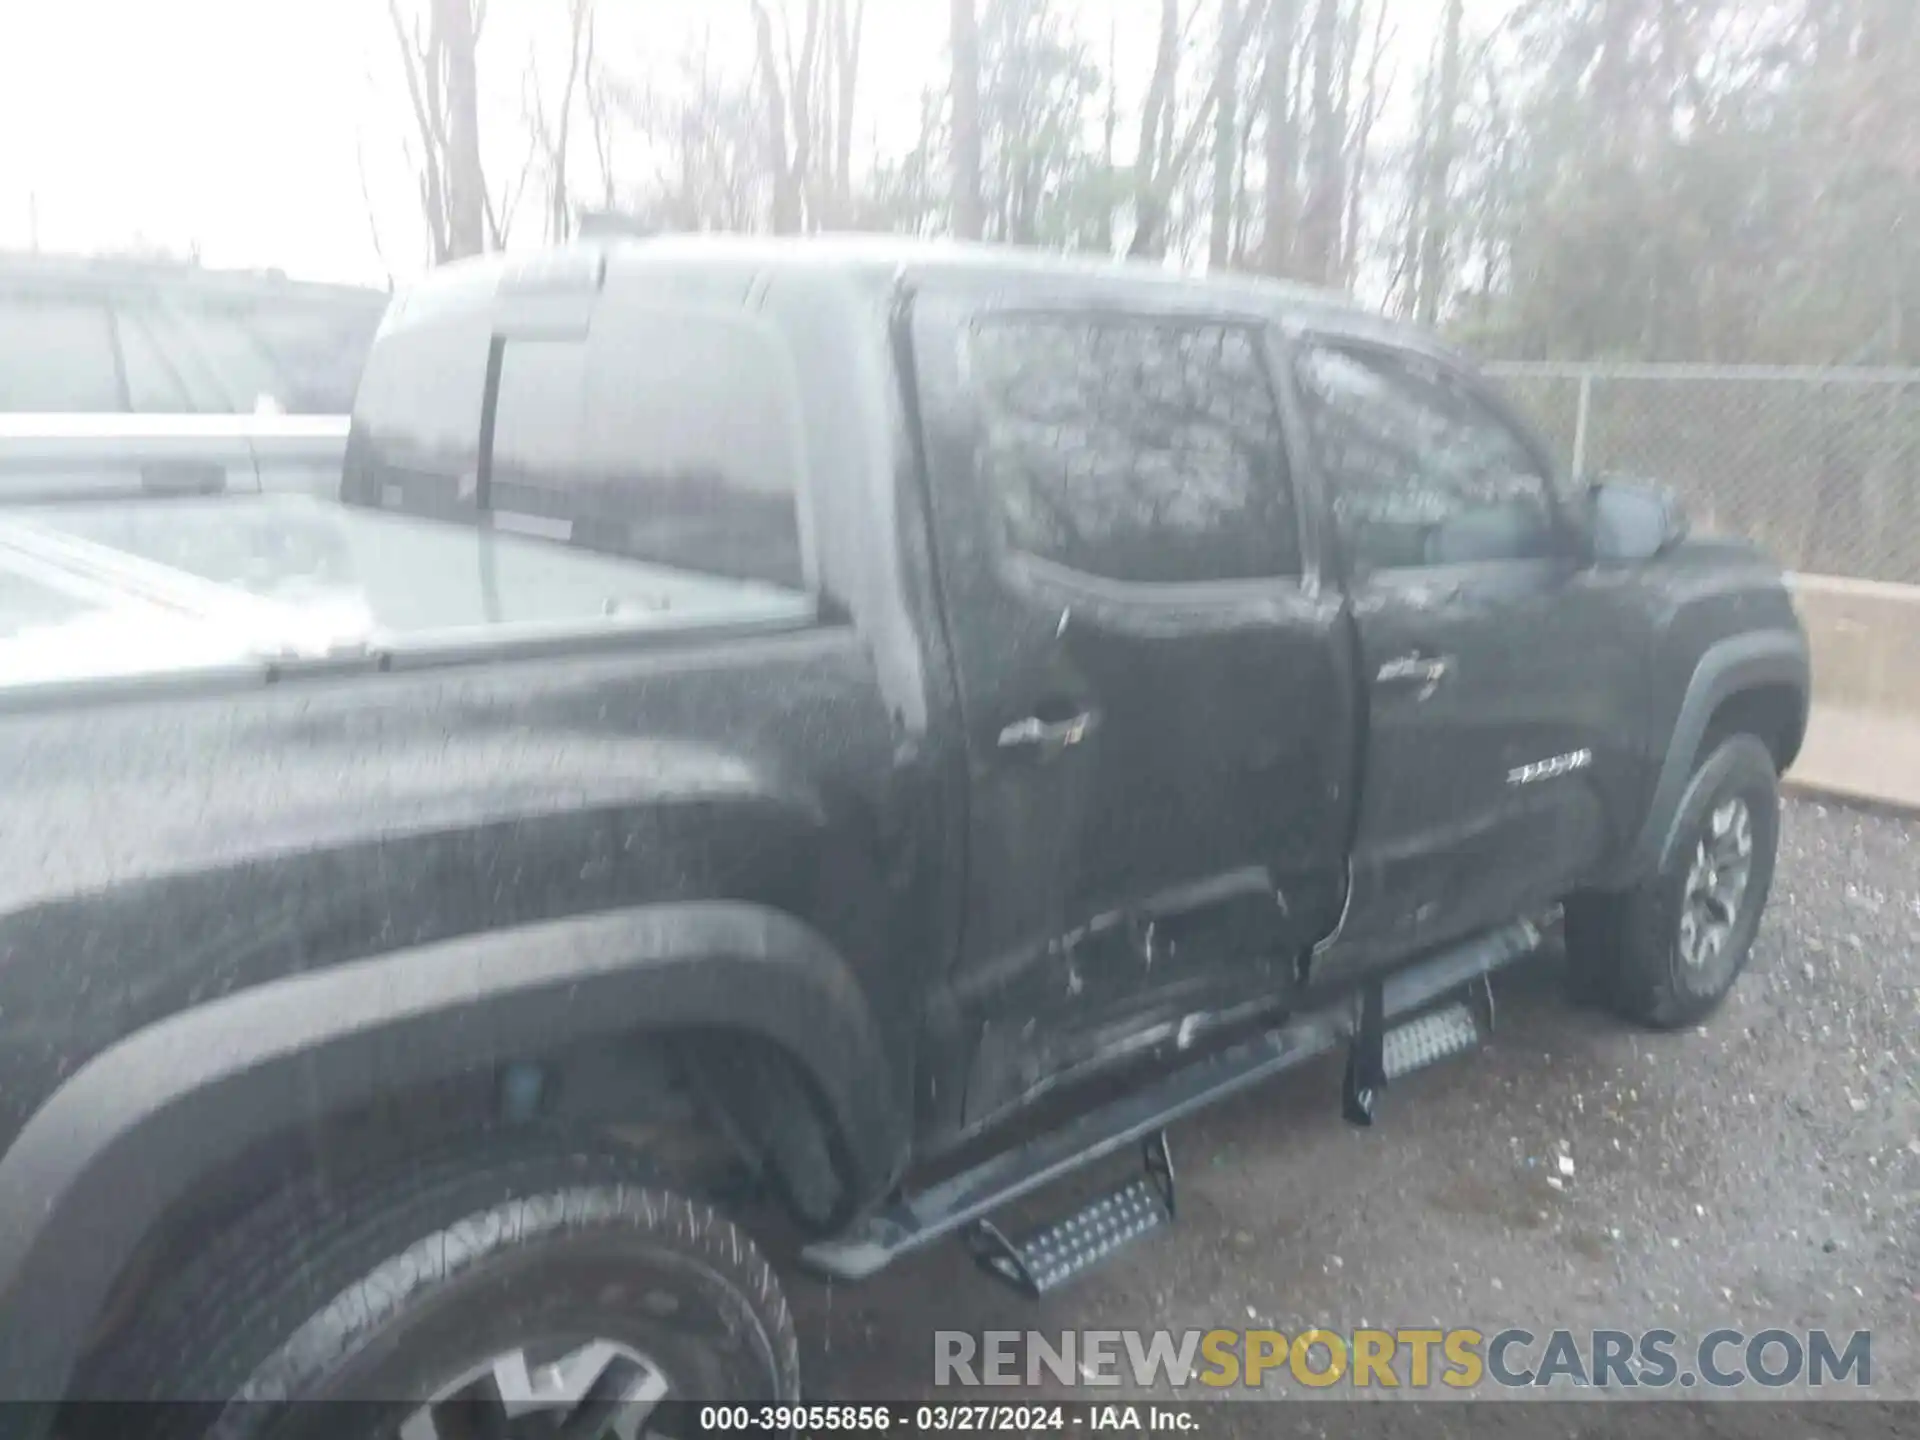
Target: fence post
point(1580, 424)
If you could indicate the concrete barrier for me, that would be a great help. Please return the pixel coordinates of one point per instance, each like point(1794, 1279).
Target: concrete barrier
point(1863, 738)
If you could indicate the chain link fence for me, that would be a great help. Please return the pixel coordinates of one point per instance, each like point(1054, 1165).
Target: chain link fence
point(1820, 466)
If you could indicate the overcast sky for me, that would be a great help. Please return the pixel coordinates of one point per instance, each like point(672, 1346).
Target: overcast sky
point(244, 127)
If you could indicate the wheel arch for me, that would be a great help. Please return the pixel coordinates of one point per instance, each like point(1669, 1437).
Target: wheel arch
point(132, 1131)
point(1760, 679)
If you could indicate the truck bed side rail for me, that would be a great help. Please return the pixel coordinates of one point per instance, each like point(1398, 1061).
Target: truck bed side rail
point(54, 458)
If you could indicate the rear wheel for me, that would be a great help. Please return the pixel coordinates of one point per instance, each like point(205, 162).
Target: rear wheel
point(506, 1295)
point(1666, 952)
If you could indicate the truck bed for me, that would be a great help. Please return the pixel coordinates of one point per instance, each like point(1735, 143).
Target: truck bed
point(191, 587)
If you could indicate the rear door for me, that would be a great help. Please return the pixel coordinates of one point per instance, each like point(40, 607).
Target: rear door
point(1156, 688)
point(1498, 667)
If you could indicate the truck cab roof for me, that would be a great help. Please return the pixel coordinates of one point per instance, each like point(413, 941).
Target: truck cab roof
point(714, 267)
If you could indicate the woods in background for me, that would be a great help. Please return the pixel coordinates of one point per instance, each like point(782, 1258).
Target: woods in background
point(1725, 180)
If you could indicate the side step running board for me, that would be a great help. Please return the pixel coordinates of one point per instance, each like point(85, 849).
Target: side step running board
point(1050, 1257)
point(918, 1219)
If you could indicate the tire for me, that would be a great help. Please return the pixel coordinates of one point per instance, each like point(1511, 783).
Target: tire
point(1630, 949)
point(391, 1291)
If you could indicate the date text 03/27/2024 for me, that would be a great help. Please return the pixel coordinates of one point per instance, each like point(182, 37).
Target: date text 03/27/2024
point(947, 1418)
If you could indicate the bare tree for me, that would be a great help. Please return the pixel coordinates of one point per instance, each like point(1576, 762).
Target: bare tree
point(699, 162)
point(601, 104)
point(1166, 152)
point(1148, 205)
point(1253, 87)
point(1326, 145)
point(499, 216)
point(789, 82)
point(969, 212)
point(458, 25)
point(366, 200)
point(443, 90)
point(1226, 145)
point(1360, 144)
point(1109, 129)
point(1437, 174)
point(555, 137)
point(1283, 148)
point(848, 20)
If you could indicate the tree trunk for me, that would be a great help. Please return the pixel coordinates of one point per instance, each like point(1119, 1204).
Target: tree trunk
point(1346, 51)
point(466, 186)
point(1226, 145)
point(1112, 126)
point(847, 64)
point(1435, 237)
point(802, 88)
point(1359, 165)
point(969, 217)
point(1149, 203)
point(1282, 144)
point(579, 58)
point(1320, 225)
point(786, 188)
point(1244, 257)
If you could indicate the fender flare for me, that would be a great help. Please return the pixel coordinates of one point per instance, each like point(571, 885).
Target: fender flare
point(129, 1133)
point(1741, 662)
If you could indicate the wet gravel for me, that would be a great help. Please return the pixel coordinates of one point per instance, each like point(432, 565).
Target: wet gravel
point(1760, 1170)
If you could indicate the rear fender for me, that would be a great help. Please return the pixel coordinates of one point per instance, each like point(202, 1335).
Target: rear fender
point(129, 1133)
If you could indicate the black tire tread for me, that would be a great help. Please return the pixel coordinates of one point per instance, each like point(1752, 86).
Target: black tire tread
point(1620, 943)
point(289, 1268)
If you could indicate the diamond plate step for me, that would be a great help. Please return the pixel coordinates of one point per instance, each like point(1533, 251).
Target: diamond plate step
point(1451, 1030)
point(1054, 1254)
point(1048, 1258)
point(962, 1202)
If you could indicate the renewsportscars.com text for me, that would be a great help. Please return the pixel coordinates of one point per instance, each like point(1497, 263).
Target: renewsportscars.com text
point(1416, 1359)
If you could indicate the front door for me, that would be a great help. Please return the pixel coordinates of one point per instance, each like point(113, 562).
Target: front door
point(1157, 699)
point(1499, 680)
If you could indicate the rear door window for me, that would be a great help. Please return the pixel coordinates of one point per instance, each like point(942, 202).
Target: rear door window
point(1145, 450)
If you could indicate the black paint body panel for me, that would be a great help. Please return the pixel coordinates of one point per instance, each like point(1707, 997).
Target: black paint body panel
point(811, 833)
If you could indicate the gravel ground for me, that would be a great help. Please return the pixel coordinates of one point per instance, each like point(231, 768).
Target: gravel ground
point(1761, 1170)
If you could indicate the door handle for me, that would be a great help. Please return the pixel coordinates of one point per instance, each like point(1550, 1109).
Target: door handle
point(1407, 671)
point(1033, 733)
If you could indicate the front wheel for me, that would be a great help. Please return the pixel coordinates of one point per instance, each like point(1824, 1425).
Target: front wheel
point(1666, 952)
point(527, 1294)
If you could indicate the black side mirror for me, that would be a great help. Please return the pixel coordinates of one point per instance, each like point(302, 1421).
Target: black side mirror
point(1630, 522)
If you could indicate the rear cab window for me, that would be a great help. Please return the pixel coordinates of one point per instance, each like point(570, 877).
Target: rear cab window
point(641, 471)
point(1140, 449)
point(643, 467)
point(667, 436)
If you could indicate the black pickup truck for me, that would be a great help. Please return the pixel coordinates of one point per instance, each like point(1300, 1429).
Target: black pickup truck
point(804, 740)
